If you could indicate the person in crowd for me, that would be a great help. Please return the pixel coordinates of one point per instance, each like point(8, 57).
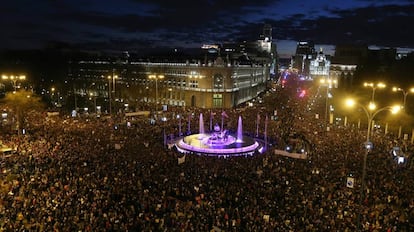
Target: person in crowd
point(88, 175)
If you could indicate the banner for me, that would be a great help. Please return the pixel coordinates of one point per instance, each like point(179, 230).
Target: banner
point(291, 155)
point(181, 160)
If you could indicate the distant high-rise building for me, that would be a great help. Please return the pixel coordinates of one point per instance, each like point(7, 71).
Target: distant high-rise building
point(267, 32)
point(305, 52)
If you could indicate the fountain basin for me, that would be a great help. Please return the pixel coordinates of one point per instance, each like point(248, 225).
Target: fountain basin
point(202, 144)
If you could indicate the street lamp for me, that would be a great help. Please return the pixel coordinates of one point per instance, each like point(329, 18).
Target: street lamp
point(374, 87)
point(14, 79)
point(405, 93)
point(52, 95)
point(111, 78)
point(94, 100)
point(156, 77)
point(329, 83)
point(370, 112)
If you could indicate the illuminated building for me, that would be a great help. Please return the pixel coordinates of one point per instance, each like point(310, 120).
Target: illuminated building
point(221, 76)
point(305, 52)
point(319, 67)
point(217, 83)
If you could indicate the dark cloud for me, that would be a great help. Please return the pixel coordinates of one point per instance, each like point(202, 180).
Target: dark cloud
point(112, 24)
point(385, 26)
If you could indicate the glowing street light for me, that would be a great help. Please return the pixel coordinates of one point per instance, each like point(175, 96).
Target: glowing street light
point(92, 96)
point(156, 77)
point(370, 112)
point(14, 79)
point(374, 87)
point(328, 82)
point(405, 93)
point(111, 78)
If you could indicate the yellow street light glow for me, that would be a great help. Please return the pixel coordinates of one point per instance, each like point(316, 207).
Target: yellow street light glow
point(395, 109)
point(372, 106)
point(368, 84)
point(350, 102)
point(381, 85)
point(395, 89)
point(156, 76)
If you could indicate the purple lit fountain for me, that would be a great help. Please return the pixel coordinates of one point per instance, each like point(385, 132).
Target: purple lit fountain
point(218, 142)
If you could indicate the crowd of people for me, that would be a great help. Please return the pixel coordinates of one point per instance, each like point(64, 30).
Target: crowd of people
point(102, 174)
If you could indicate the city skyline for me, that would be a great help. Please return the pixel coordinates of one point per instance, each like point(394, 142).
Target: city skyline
point(137, 24)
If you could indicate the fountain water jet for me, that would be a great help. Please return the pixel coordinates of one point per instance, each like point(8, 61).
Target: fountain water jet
point(219, 142)
point(201, 124)
point(239, 131)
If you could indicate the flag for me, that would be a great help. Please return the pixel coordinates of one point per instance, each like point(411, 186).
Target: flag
point(181, 160)
point(224, 114)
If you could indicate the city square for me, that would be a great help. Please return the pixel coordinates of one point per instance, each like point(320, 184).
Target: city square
point(207, 116)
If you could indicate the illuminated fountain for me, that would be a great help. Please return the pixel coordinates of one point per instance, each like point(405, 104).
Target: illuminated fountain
point(219, 142)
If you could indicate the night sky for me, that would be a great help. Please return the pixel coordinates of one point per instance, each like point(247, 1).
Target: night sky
point(135, 24)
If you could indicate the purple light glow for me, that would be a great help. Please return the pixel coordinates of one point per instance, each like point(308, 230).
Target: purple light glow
point(201, 144)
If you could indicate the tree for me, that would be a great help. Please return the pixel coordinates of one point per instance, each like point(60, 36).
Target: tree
point(20, 104)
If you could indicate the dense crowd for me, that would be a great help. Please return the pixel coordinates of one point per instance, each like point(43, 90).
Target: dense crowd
point(98, 174)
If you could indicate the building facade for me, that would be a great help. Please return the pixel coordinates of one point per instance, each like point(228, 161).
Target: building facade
point(345, 62)
point(319, 67)
point(215, 84)
point(305, 52)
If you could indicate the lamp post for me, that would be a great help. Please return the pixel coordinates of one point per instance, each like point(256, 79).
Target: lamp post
point(94, 100)
point(370, 112)
point(111, 78)
point(374, 87)
point(53, 95)
point(156, 77)
point(55, 100)
point(404, 92)
point(328, 82)
point(14, 79)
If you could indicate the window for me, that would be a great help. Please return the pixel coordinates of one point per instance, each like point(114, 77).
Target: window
point(193, 84)
point(217, 100)
point(218, 81)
